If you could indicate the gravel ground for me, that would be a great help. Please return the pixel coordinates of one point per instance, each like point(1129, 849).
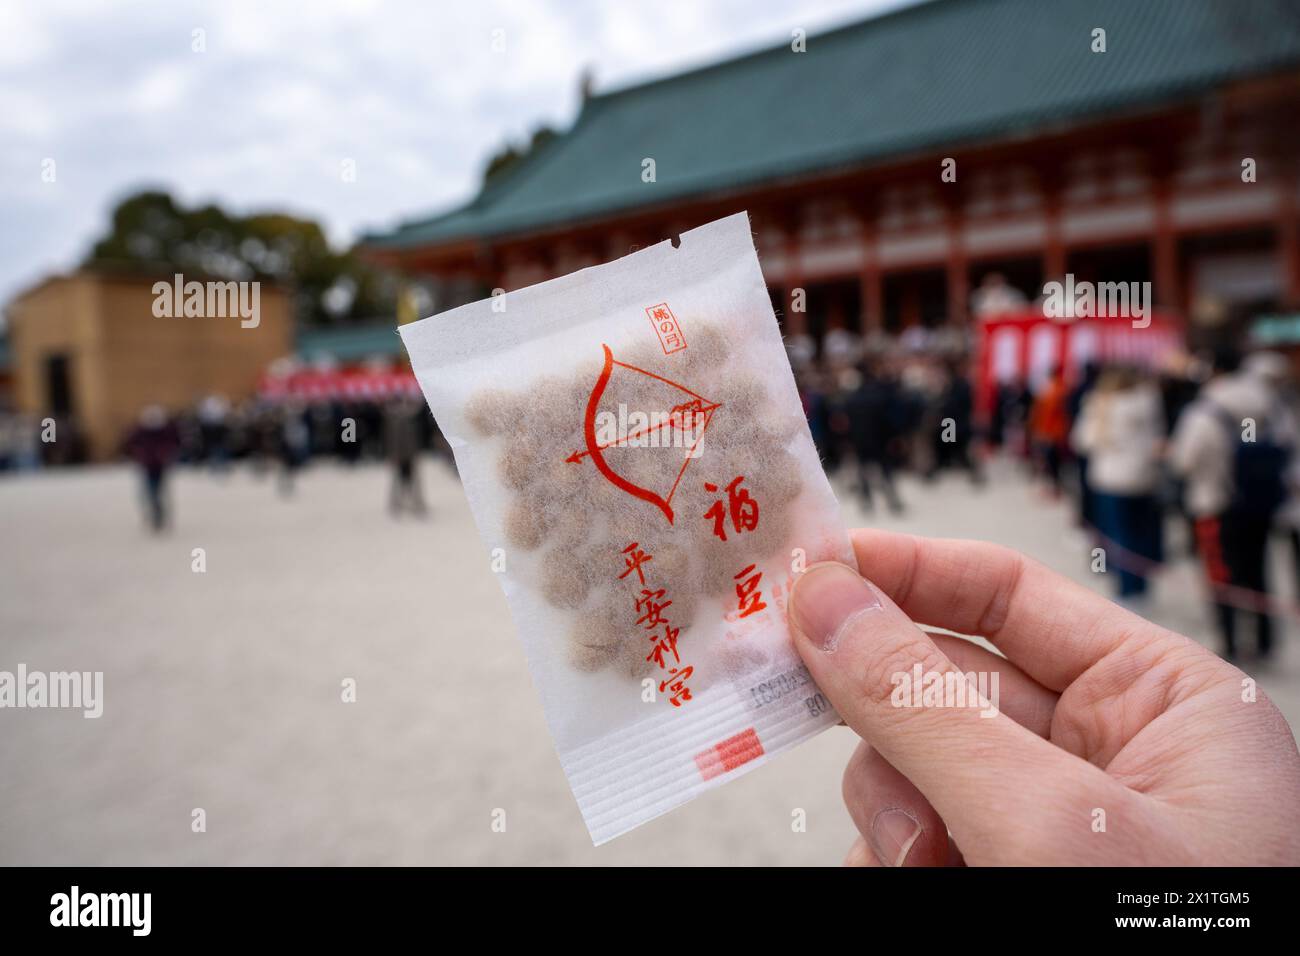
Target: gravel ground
point(222, 689)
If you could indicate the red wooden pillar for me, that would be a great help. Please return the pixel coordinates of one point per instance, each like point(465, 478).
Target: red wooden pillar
point(958, 281)
point(1288, 243)
point(957, 268)
point(870, 284)
point(1055, 258)
point(958, 290)
point(1164, 250)
point(873, 297)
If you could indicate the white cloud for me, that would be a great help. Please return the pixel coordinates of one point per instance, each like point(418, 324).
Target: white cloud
point(27, 40)
point(410, 90)
point(161, 88)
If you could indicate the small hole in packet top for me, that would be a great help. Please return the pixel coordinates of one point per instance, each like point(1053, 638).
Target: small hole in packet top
point(636, 457)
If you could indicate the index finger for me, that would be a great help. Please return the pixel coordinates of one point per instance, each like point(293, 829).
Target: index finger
point(1049, 626)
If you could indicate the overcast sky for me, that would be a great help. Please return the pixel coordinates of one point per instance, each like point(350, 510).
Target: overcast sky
point(412, 91)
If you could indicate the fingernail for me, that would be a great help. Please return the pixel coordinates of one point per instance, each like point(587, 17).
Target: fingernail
point(825, 596)
point(893, 832)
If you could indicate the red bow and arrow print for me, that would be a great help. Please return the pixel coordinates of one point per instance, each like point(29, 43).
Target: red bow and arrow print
point(686, 407)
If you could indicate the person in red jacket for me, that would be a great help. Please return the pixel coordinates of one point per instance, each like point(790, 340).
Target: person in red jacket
point(1049, 426)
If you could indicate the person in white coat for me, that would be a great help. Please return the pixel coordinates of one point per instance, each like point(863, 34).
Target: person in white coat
point(1120, 429)
point(1233, 445)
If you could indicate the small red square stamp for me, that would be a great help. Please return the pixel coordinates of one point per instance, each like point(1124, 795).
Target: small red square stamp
point(729, 754)
point(666, 327)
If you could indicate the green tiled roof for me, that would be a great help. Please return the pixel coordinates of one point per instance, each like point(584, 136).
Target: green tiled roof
point(350, 343)
point(937, 74)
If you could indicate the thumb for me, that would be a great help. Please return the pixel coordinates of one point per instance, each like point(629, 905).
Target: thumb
point(974, 764)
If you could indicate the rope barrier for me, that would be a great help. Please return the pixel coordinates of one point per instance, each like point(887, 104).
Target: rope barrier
point(1233, 595)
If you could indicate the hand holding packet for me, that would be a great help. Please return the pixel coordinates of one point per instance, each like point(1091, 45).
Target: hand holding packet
point(635, 452)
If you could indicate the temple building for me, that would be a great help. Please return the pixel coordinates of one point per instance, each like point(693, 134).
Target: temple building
point(92, 349)
point(892, 165)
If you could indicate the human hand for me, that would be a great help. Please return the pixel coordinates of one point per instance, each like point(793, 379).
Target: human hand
point(1117, 742)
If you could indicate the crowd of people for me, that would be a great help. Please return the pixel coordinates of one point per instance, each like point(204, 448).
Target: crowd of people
point(28, 443)
point(1202, 449)
point(1203, 445)
point(282, 437)
point(1216, 450)
point(890, 412)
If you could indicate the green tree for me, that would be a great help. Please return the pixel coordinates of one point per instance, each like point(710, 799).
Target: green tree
point(151, 231)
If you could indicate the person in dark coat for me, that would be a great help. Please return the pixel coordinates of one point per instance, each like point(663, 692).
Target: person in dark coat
point(402, 447)
point(153, 445)
point(875, 412)
point(952, 440)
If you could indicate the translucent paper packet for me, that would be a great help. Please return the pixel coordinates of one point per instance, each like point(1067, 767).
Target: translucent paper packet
point(638, 463)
